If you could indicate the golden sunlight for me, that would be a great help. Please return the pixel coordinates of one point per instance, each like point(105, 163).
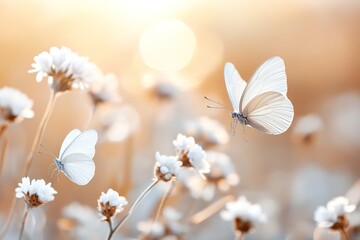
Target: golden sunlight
point(168, 45)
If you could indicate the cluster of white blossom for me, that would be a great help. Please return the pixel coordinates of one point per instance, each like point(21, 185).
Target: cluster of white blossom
point(35, 192)
point(334, 214)
point(189, 155)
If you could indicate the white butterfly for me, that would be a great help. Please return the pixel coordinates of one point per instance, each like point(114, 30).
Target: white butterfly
point(76, 156)
point(262, 103)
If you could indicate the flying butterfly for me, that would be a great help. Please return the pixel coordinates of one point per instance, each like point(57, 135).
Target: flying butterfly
point(76, 156)
point(262, 103)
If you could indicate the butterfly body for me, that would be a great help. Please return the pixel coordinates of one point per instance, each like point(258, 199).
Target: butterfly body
point(239, 118)
point(59, 165)
point(262, 102)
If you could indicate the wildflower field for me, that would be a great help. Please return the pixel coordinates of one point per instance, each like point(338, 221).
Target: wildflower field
point(169, 119)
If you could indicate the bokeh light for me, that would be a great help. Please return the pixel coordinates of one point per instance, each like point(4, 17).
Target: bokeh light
point(167, 45)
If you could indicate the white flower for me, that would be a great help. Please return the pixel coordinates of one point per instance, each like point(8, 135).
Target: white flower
point(14, 105)
point(168, 227)
point(207, 132)
point(334, 213)
point(167, 166)
point(172, 221)
point(223, 172)
point(340, 205)
point(191, 154)
point(308, 124)
point(159, 86)
point(35, 192)
point(307, 127)
point(242, 211)
point(108, 201)
point(183, 143)
point(63, 68)
point(325, 217)
point(82, 221)
point(112, 197)
point(153, 229)
point(197, 158)
point(103, 88)
point(116, 123)
point(222, 176)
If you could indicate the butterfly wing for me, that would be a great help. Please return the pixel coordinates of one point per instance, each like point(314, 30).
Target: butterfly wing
point(68, 139)
point(75, 142)
point(270, 76)
point(235, 85)
point(270, 112)
point(79, 168)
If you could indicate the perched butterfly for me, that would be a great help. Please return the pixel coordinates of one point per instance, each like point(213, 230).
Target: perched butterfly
point(76, 156)
point(262, 103)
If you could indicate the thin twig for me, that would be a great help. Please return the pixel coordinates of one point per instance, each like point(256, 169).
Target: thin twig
point(26, 212)
point(162, 204)
point(211, 210)
point(122, 221)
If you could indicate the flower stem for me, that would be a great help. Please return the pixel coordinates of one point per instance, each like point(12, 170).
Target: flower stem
point(163, 201)
point(344, 234)
point(211, 210)
point(26, 212)
point(122, 221)
point(91, 117)
point(126, 184)
point(111, 228)
point(238, 235)
point(40, 132)
point(3, 149)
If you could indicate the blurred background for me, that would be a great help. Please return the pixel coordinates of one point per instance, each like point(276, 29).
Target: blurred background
point(167, 55)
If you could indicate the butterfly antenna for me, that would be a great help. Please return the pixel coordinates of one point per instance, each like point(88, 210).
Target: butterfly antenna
point(47, 152)
point(222, 105)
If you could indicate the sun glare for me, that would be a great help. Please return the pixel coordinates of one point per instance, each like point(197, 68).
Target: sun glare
point(168, 45)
